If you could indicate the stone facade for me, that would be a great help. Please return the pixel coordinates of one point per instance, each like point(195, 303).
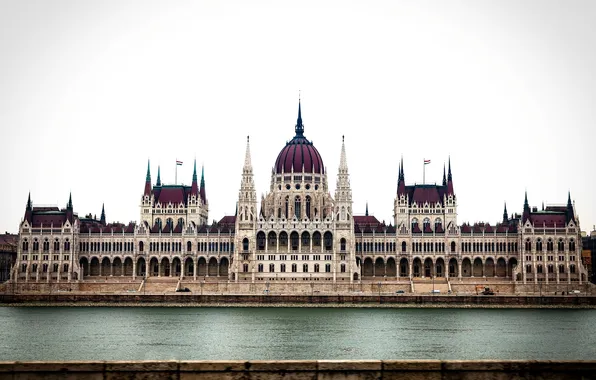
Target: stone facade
point(300, 233)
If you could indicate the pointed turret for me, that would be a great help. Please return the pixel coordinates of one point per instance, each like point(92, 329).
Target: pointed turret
point(449, 180)
point(401, 182)
point(147, 181)
point(505, 216)
point(194, 189)
point(366, 212)
point(247, 196)
point(202, 188)
point(69, 204)
point(444, 177)
point(299, 126)
point(29, 209)
point(526, 213)
point(102, 219)
point(158, 183)
point(570, 214)
point(343, 191)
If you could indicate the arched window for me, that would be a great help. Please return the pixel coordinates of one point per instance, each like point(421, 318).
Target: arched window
point(528, 245)
point(550, 245)
point(551, 269)
point(245, 268)
point(316, 269)
point(158, 222)
point(170, 223)
point(437, 223)
point(572, 268)
point(539, 269)
point(297, 207)
point(316, 239)
point(141, 246)
point(260, 241)
point(328, 239)
point(181, 222)
point(327, 268)
point(67, 246)
point(35, 245)
point(343, 268)
point(305, 240)
point(426, 223)
point(25, 246)
point(414, 223)
point(188, 246)
point(245, 244)
point(283, 239)
point(342, 244)
point(571, 246)
point(56, 245)
point(287, 206)
point(305, 268)
point(272, 240)
point(272, 268)
point(539, 245)
point(452, 246)
point(294, 240)
point(403, 246)
point(528, 268)
point(561, 268)
point(46, 245)
point(560, 245)
point(308, 206)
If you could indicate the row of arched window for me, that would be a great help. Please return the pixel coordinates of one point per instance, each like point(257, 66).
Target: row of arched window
point(295, 240)
point(550, 245)
point(294, 268)
point(46, 245)
point(154, 246)
point(375, 247)
point(489, 247)
point(550, 269)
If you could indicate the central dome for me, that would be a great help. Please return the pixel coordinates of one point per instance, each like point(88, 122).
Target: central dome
point(299, 155)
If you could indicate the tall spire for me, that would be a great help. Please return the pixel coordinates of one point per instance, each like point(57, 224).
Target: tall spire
point(505, 216)
point(366, 212)
point(449, 179)
point(343, 162)
point(570, 213)
point(202, 188)
point(444, 178)
point(147, 181)
point(69, 204)
point(102, 219)
point(194, 188)
point(299, 126)
point(247, 160)
point(158, 183)
point(29, 204)
point(401, 182)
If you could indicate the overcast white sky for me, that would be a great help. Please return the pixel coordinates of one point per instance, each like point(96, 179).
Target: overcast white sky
point(90, 90)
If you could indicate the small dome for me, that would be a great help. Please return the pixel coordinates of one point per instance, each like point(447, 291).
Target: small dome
point(299, 153)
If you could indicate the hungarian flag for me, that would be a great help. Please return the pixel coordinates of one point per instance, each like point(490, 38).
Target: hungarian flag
point(178, 162)
point(426, 162)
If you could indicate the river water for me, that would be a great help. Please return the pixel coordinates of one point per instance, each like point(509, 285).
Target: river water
point(151, 333)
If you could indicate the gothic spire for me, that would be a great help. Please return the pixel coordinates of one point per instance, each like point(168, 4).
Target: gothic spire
point(194, 188)
point(299, 126)
point(158, 183)
point(29, 204)
point(366, 212)
point(202, 188)
point(147, 181)
point(69, 204)
point(449, 179)
point(570, 212)
point(247, 160)
point(505, 216)
point(444, 178)
point(102, 219)
point(343, 162)
point(401, 185)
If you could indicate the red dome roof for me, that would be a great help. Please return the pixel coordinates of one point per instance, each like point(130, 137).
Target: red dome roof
point(299, 153)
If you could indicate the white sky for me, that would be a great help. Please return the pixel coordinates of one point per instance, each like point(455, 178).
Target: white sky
point(90, 90)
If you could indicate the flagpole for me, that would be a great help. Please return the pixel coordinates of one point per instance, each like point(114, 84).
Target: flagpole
point(176, 174)
point(423, 171)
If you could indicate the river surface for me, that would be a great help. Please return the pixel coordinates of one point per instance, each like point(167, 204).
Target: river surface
point(152, 333)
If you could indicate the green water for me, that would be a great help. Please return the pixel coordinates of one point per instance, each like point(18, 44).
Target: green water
point(80, 333)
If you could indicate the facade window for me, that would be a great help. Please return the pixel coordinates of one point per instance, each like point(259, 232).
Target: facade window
point(260, 267)
point(297, 207)
point(528, 269)
point(343, 268)
point(328, 268)
point(245, 268)
point(271, 268)
point(316, 268)
point(65, 267)
point(282, 268)
point(245, 244)
point(571, 245)
point(305, 268)
point(294, 267)
point(308, 206)
point(539, 245)
point(342, 244)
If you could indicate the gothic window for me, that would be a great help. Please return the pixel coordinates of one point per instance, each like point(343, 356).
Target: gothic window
point(158, 222)
point(188, 246)
point(528, 245)
point(452, 246)
point(539, 269)
point(316, 269)
point(25, 245)
point(35, 245)
point(571, 246)
point(551, 269)
point(308, 206)
point(561, 269)
point(245, 244)
point(282, 268)
point(342, 244)
point(528, 268)
point(426, 223)
point(560, 245)
point(181, 222)
point(283, 239)
point(271, 267)
point(287, 206)
point(294, 240)
point(403, 246)
point(414, 223)
point(343, 268)
point(260, 241)
point(327, 268)
point(572, 268)
point(294, 267)
point(272, 240)
point(260, 268)
point(245, 268)
point(539, 245)
point(56, 245)
point(297, 207)
point(437, 223)
point(316, 239)
point(141, 246)
point(170, 223)
point(305, 239)
point(328, 238)
point(305, 268)
point(343, 213)
point(46, 245)
point(550, 245)
point(67, 246)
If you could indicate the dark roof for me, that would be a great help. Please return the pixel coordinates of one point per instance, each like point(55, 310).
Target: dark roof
point(174, 194)
point(299, 153)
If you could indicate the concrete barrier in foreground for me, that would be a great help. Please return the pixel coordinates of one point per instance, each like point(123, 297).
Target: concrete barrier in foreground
point(297, 369)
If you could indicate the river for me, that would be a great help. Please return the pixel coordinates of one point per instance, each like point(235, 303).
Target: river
point(161, 333)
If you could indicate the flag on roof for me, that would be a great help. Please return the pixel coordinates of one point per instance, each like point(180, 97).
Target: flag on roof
point(178, 162)
point(426, 162)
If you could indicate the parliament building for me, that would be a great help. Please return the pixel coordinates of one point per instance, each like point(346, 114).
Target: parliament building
point(299, 232)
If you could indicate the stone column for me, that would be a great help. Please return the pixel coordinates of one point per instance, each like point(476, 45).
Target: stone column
point(134, 270)
point(195, 268)
point(459, 270)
